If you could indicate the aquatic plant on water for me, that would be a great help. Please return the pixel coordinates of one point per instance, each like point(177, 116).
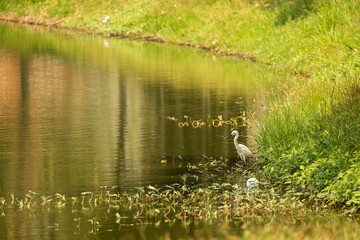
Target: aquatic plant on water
point(218, 192)
point(210, 121)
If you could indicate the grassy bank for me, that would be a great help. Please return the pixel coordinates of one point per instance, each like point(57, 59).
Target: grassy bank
point(309, 138)
point(311, 142)
point(320, 38)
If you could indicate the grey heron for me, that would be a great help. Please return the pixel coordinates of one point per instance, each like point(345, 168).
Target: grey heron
point(241, 149)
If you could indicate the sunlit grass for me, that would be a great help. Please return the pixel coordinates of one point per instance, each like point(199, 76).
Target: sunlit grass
point(301, 35)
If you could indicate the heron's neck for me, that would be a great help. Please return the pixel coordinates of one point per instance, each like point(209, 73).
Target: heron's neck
point(235, 139)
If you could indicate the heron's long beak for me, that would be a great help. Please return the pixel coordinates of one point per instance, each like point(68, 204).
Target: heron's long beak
point(228, 136)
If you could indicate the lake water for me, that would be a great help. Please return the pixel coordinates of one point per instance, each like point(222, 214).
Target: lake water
point(80, 112)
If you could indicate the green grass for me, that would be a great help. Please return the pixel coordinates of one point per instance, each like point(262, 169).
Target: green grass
point(308, 139)
point(313, 146)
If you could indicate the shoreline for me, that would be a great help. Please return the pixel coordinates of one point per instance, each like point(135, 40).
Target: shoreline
point(53, 23)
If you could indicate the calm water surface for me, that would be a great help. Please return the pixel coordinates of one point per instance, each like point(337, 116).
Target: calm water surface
point(80, 112)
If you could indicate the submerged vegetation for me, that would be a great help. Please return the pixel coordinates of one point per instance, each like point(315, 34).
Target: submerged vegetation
point(309, 136)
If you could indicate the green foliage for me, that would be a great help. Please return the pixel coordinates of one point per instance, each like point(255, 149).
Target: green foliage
point(315, 148)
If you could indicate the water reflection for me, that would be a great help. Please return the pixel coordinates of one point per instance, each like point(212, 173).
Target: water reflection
point(60, 224)
point(77, 114)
